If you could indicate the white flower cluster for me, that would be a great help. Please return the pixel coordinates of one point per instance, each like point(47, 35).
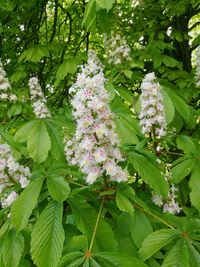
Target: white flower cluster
point(94, 148)
point(11, 172)
point(169, 205)
point(39, 102)
point(152, 114)
point(116, 48)
point(198, 66)
point(5, 87)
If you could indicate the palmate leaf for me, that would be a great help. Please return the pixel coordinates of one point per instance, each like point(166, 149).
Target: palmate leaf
point(48, 236)
point(149, 173)
point(34, 53)
point(38, 141)
point(70, 258)
point(25, 203)
point(155, 241)
point(13, 245)
point(194, 256)
point(85, 218)
point(118, 259)
point(178, 256)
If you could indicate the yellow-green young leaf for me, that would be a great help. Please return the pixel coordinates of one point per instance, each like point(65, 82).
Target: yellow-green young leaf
point(25, 203)
point(48, 236)
point(34, 53)
point(178, 256)
point(119, 259)
point(195, 187)
point(105, 4)
point(169, 107)
point(13, 246)
point(155, 241)
point(89, 19)
point(58, 188)
point(21, 134)
point(70, 258)
point(181, 170)
point(125, 132)
point(149, 173)
point(123, 203)
point(128, 73)
point(38, 142)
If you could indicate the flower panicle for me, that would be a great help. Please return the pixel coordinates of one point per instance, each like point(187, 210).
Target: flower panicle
point(94, 147)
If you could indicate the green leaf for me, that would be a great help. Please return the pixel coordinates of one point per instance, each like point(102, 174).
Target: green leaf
point(149, 173)
point(57, 146)
point(169, 107)
point(13, 246)
point(25, 203)
point(105, 4)
point(70, 258)
point(170, 61)
point(125, 132)
point(157, 61)
point(58, 188)
point(118, 259)
point(155, 241)
point(186, 143)
point(85, 218)
point(181, 170)
point(195, 187)
point(194, 256)
point(125, 94)
point(183, 109)
point(141, 228)
point(178, 256)
point(38, 141)
point(123, 203)
point(48, 236)
point(34, 53)
point(68, 66)
point(89, 19)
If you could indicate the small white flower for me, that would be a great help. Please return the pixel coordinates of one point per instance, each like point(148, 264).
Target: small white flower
point(152, 114)
point(9, 200)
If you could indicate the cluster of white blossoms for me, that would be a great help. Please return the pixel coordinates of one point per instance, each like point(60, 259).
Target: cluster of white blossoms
point(38, 99)
point(169, 204)
point(198, 66)
point(11, 172)
point(94, 147)
point(116, 49)
point(152, 113)
point(5, 87)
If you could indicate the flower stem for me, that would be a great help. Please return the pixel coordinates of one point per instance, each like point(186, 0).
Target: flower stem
point(96, 225)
